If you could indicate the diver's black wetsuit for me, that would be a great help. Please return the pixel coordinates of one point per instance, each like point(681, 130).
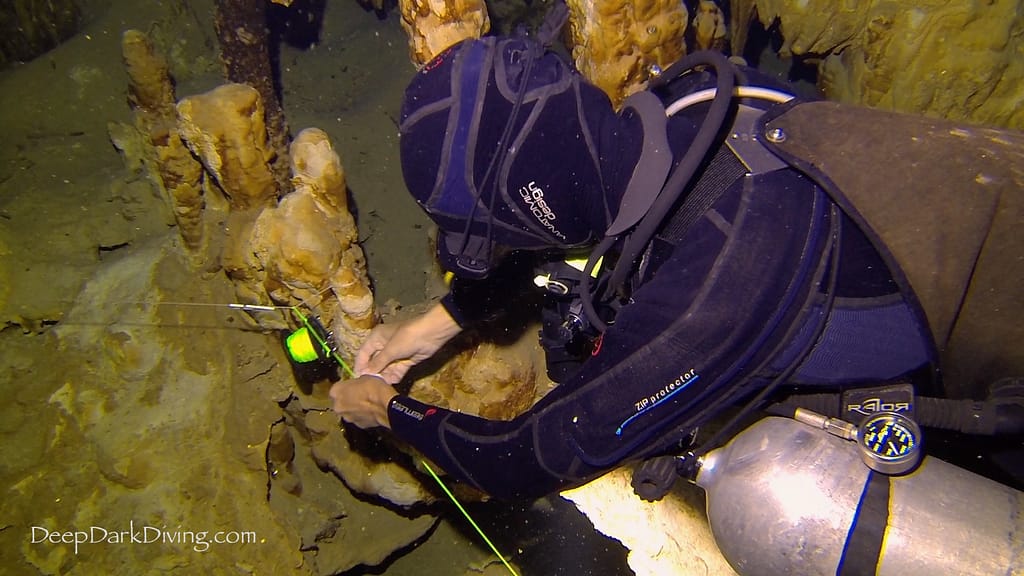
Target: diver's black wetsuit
point(772, 283)
point(793, 251)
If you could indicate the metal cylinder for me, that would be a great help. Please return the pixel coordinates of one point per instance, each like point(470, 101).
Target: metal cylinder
point(785, 498)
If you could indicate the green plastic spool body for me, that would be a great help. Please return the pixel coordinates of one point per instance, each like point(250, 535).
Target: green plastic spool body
point(301, 346)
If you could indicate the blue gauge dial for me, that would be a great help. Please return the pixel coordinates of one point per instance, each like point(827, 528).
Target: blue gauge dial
point(890, 442)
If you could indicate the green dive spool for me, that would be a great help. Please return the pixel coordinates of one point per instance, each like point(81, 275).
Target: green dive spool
point(301, 347)
point(309, 343)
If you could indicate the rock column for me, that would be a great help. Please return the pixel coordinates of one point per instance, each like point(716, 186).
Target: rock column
point(170, 165)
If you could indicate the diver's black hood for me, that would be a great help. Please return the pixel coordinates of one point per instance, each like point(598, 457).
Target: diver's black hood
point(530, 183)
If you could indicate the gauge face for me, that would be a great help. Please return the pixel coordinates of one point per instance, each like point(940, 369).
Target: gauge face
point(890, 442)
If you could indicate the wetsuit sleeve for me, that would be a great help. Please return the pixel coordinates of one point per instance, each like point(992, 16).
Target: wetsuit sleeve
point(497, 457)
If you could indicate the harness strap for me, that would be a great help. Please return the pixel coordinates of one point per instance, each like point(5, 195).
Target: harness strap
point(724, 169)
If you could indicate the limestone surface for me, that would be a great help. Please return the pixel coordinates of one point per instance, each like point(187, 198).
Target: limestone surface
point(225, 128)
point(167, 161)
point(670, 536)
point(434, 25)
point(615, 44)
point(955, 60)
point(172, 429)
point(155, 436)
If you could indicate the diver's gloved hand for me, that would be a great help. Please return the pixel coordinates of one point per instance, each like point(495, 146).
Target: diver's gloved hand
point(391, 349)
point(363, 401)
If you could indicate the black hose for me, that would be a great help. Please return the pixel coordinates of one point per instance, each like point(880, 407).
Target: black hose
point(681, 176)
point(986, 418)
point(678, 179)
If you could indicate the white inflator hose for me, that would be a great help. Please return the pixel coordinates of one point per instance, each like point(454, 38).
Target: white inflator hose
point(739, 92)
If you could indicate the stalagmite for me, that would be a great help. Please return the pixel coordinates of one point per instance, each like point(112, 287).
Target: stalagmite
point(170, 165)
point(305, 246)
point(225, 129)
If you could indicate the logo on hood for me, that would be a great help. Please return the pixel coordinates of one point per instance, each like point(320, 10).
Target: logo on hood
point(533, 195)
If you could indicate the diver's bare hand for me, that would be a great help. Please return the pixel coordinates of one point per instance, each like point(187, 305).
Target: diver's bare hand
point(363, 401)
point(392, 349)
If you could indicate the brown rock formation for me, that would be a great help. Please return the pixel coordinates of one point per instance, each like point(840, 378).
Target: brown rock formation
point(317, 173)
point(291, 252)
point(305, 245)
point(494, 381)
point(615, 44)
point(709, 27)
point(225, 129)
point(241, 27)
point(956, 60)
point(360, 472)
point(168, 162)
point(433, 26)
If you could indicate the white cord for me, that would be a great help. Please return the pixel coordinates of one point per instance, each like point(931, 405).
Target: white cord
point(740, 92)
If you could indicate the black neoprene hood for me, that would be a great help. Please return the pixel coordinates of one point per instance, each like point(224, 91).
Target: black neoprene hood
point(490, 171)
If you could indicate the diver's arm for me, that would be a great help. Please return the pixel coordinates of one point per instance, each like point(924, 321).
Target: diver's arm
point(570, 435)
point(575, 433)
point(500, 458)
point(672, 354)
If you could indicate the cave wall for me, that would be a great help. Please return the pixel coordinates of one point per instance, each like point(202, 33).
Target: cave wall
point(29, 28)
point(956, 60)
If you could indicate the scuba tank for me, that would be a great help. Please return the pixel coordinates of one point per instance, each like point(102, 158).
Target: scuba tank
point(784, 497)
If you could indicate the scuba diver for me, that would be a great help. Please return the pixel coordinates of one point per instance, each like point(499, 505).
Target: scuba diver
point(712, 247)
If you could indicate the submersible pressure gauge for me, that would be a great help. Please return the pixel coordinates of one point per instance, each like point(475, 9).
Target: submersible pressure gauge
point(889, 442)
